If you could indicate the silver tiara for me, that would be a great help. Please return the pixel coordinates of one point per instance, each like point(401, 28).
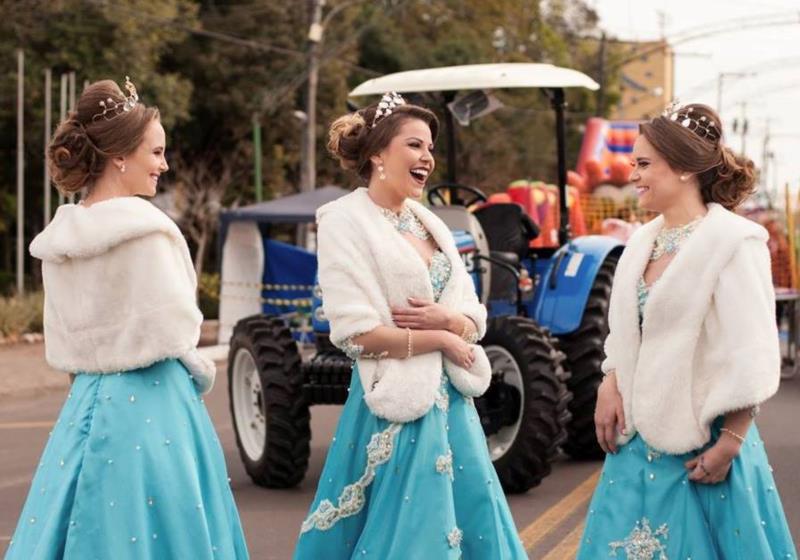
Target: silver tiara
point(112, 108)
point(703, 126)
point(388, 103)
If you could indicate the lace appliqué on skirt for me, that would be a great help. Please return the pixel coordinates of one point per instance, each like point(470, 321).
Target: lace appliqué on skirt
point(643, 543)
point(351, 500)
point(444, 464)
point(455, 537)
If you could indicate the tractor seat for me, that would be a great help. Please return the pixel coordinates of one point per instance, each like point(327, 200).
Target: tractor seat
point(506, 257)
point(507, 227)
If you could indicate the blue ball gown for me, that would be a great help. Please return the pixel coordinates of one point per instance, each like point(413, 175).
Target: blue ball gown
point(415, 491)
point(646, 508)
point(133, 470)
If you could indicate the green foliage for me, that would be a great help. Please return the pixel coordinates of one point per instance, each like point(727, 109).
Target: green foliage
point(21, 314)
point(212, 67)
point(208, 295)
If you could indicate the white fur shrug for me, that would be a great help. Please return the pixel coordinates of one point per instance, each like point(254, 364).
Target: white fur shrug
point(119, 290)
point(365, 267)
point(709, 342)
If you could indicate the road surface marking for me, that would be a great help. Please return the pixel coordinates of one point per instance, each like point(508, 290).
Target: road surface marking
point(553, 517)
point(26, 425)
point(567, 548)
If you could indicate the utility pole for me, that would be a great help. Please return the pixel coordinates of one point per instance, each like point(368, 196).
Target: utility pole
point(765, 156)
point(62, 115)
point(72, 109)
point(744, 126)
point(20, 172)
point(258, 183)
point(48, 102)
point(720, 79)
point(601, 76)
point(308, 156)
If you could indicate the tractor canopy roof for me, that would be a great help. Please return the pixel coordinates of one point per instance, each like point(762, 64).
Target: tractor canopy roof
point(292, 209)
point(477, 76)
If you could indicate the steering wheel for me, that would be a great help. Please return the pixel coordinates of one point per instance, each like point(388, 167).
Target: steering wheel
point(436, 199)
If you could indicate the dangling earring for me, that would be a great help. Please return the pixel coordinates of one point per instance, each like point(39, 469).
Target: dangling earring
point(683, 178)
point(122, 168)
point(381, 173)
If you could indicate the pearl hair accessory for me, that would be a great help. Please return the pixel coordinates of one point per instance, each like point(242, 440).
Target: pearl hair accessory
point(113, 108)
point(388, 103)
point(703, 126)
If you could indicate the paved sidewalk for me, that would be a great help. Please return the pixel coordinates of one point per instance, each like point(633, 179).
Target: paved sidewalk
point(25, 373)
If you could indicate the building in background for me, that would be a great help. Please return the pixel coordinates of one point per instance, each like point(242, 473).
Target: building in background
point(647, 79)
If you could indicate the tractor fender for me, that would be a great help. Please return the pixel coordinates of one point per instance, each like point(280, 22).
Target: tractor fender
point(568, 280)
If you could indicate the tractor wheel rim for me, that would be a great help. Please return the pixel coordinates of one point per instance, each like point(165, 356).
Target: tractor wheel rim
point(248, 404)
point(504, 365)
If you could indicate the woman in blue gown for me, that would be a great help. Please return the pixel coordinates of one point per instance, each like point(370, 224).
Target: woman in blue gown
point(693, 351)
point(133, 468)
point(419, 489)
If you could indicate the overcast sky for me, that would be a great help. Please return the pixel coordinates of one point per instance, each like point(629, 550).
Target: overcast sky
point(773, 93)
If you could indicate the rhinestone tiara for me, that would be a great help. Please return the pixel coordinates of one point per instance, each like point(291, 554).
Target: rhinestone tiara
point(703, 126)
point(112, 108)
point(388, 103)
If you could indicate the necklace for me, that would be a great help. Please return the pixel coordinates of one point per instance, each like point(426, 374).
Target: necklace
point(406, 221)
point(669, 240)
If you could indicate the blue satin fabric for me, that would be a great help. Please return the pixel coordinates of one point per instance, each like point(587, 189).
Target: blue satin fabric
point(646, 508)
point(415, 507)
point(133, 469)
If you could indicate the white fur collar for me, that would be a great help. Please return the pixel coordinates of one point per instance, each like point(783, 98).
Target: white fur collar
point(366, 266)
point(673, 374)
point(78, 231)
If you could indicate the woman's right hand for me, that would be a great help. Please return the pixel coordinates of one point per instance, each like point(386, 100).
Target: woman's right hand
point(457, 350)
point(609, 415)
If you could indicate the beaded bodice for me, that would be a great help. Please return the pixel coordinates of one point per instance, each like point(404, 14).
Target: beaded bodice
point(439, 272)
point(643, 290)
point(668, 242)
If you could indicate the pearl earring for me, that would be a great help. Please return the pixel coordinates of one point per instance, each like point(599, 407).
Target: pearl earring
point(122, 168)
point(381, 173)
point(683, 177)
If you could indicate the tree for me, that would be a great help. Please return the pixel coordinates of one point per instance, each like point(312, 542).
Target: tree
point(97, 40)
point(199, 188)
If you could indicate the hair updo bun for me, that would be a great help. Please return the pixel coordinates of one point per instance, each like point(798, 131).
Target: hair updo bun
point(345, 139)
point(82, 144)
point(74, 161)
point(734, 180)
point(724, 177)
point(352, 141)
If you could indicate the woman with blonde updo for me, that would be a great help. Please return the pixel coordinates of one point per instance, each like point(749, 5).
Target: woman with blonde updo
point(133, 468)
point(692, 353)
point(408, 474)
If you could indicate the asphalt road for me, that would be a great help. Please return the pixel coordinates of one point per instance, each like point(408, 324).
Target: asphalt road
point(548, 517)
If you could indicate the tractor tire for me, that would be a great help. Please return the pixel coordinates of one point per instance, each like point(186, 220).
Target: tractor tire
point(270, 413)
point(584, 350)
point(528, 383)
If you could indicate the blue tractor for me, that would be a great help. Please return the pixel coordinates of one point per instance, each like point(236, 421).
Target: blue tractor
point(548, 308)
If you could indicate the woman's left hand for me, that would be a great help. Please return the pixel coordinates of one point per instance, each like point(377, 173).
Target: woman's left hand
point(712, 466)
point(422, 315)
